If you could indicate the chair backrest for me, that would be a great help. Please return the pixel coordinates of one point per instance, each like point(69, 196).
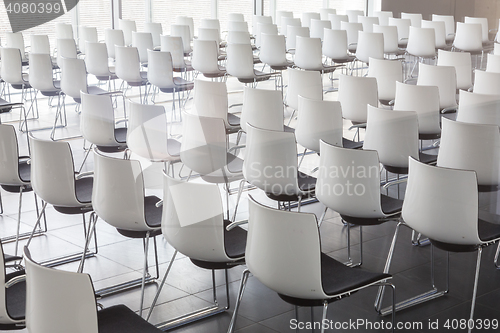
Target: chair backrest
point(493, 63)
point(203, 147)
point(349, 181)
point(292, 33)
point(449, 23)
point(9, 170)
point(355, 93)
point(210, 99)
point(264, 28)
point(335, 44)
point(73, 77)
point(272, 236)
point(147, 132)
point(335, 20)
point(442, 203)
point(486, 82)
point(155, 29)
point(144, 42)
point(474, 147)
point(40, 72)
point(112, 176)
point(370, 45)
point(496, 49)
point(415, 18)
point(368, 22)
point(318, 120)
point(424, 100)
point(210, 23)
point(307, 17)
point(209, 34)
point(239, 62)
point(64, 31)
point(205, 56)
point(462, 63)
point(281, 14)
point(444, 77)
point(237, 26)
point(16, 40)
point(52, 172)
point(196, 233)
point(113, 37)
point(393, 134)
point(183, 31)
point(403, 26)
point(238, 17)
point(387, 73)
point(127, 64)
point(127, 26)
point(421, 42)
point(260, 19)
point(287, 22)
point(39, 44)
point(271, 161)
point(304, 83)
point(478, 108)
point(97, 119)
point(185, 20)
point(323, 12)
point(439, 32)
point(468, 37)
point(317, 27)
point(383, 17)
point(66, 48)
point(390, 32)
point(160, 69)
point(308, 53)
point(11, 65)
point(96, 59)
point(352, 29)
point(58, 300)
point(173, 44)
point(483, 21)
point(353, 15)
point(273, 50)
point(86, 34)
point(262, 108)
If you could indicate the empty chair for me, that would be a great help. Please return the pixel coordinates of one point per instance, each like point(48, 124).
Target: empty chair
point(444, 77)
point(185, 20)
point(143, 41)
point(463, 66)
point(289, 21)
point(235, 17)
point(11, 70)
point(66, 48)
point(155, 29)
point(317, 28)
point(391, 44)
point(237, 26)
point(368, 22)
point(128, 69)
point(299, 279)
point(304, 83)
point(383, 17)
point(352, 29)
point(468, 37)
point(113, 37)
point(14, 297)
point(205, 58)
point(483, 21)
point(486, 82)
point(173, 44)
point(449, 23)
point(307, 17)
point(256, 19)
point(478, 108)
point(16, 40)
point(96, 61)
point(39, 44)
point(183, 31)
point(281, 14)
point(240, 64)
point(415, 18)
point(335, 46)
point(355, 93)
point(323, 12)
point(308, 55)
point(424, 100)
point(64, 31)
point(86, 34)
point(127, 26)
point(72, 295)
point(273, 52)
point(270, 29)
point(321, 120)
point(353, 14)
point(493, 63)
point(239, 37)
point(439, 32)
point(210, 34)
point(421, 44)
point(291, 39)
point(370, 46)
point(41, 75)
point(387, 73)
point(336, 19)
point(403, 26)
point(210, 23)
point(474, 147)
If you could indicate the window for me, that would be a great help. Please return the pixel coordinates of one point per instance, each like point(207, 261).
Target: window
point(95, 13)
point(166, 11)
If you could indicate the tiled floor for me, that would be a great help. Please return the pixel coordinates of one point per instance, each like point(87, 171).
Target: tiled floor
point(188, 287)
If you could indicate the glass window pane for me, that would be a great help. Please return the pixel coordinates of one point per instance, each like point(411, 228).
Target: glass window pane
point(95, 13)
point(166, 11)
point(134, 10)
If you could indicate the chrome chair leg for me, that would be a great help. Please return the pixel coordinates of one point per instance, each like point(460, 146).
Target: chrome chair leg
point(323, 317)
point(244, 279)
point(476, 279)
point(145, 268)
point(497, 265)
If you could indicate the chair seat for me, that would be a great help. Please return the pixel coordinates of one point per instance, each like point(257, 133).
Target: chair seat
point(111, 76)
point(307, 185)
point(231, 172)
point(349, 144)
point(83, 191)
point(24, 175)
point(152, 217)
point(174, 147)
point(288, 129)
point(120, 137)
point(16, 297)
point(344, 60)
point(390, 206)
point(233, 120)
point(258, 77)
point(488, 231)
point(120, 319)
point(7, 106)
point(427, 158)
point(180, 85)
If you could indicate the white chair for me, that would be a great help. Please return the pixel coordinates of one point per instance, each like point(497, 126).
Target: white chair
point(39, 44)
point(186, 20)
point(86, 34)
point(289, 21)
point(278, 18)
point(421, 44)
point(304, 83)
point(445, 78)
point(307, 17)
point(474, 147)
point(211, 34)
point(483, 21)
point(335, 46)
point(415, 18)
point(324, 12)
point(468, 38)
point(370, 46)
point(239, 17)
point(403, 26)
point(308, 55)
point(155, 29)
point(113, 37)
point(256, 19)
point(240, 64)
point(493, 63)
point(273, 52)
point(237, 26)
point(173, 44)
point(96, 62)
point(264, 28)
point(463, 66)
point(238, 37)
point(317, 28)
point(143, 41)
point(205, 59)
point(210, 23)
point(391, 44)
point(72, 295)
point(439, 32)
point(352, 29)
point(64, 31)
point(424, 100)
point(336, 19)
point(16, 40)
point(449, 22)
point(478, 108)
point(387, 73)
point(299, 279)
point(355, 93)
point(353, 14)
point(183, 31)
point(291, 38)
point(128, 69)
point(66, 47)
point(383, 17)
point(11, 71)
point(41, 76)
point(486, 82)
point(368, 22)
point(127, 26)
